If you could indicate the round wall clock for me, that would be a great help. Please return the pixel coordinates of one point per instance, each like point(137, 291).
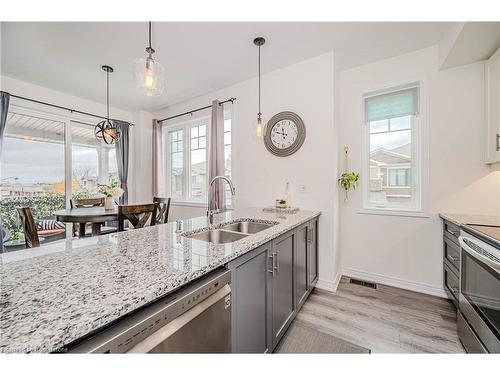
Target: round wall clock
point(285, 134)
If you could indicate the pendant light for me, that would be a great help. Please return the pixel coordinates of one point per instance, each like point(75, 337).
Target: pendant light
point(149, 74)
point(105, 129)
point(259, 128)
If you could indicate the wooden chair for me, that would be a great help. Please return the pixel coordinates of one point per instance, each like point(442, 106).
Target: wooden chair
point(138, 215)
point(89, 202)
point(162, 208)
point(29, 227)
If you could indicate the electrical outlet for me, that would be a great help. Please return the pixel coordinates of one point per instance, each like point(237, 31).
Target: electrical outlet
point(301, 189)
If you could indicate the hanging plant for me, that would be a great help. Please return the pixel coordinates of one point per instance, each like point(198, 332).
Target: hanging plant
point(348, 180)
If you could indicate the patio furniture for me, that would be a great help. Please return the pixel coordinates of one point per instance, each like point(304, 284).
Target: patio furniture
point(29, 227)
point(94, 215)
point(161, 210)
point(138, 215)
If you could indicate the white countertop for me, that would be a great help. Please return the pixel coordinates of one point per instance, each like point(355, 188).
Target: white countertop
point(53, 295)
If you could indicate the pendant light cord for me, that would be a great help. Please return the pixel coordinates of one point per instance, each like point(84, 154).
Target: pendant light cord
point(149, 33)
point(259, 83)
point(107, 95)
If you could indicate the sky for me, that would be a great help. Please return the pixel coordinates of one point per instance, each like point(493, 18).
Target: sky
point(43, 162)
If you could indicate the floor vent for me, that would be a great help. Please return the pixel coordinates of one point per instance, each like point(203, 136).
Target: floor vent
point(363, 283)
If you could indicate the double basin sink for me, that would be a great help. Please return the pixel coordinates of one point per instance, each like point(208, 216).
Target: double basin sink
point(230, 232)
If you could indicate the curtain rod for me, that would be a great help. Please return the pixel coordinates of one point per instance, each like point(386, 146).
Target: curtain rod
point(61, 107)
point(196, 110)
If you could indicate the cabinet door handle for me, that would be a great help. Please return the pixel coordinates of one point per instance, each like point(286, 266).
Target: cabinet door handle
point(453, 233)
point(277, 262)
point(498, 141)
point(451, 258)
point(310, 235)
point(272, 264)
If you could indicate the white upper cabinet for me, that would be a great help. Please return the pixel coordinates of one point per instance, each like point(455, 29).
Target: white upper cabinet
point(493, 108)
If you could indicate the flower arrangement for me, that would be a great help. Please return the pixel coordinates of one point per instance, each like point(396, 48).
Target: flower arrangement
point(110, 191)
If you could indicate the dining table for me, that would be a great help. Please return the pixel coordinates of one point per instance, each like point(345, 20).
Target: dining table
point(96, 216)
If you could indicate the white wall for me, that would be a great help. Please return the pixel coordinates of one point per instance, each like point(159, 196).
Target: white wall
point(306, 88)
point(407, 251)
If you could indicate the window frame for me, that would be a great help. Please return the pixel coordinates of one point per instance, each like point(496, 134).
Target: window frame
point(419, 155)
point(186, 126)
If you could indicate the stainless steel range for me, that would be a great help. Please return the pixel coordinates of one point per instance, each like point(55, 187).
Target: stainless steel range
point(479, 298)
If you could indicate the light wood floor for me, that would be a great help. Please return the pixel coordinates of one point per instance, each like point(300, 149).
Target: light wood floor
point(385, 320)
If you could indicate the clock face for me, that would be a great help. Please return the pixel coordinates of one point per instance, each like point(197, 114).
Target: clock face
point(284, 134)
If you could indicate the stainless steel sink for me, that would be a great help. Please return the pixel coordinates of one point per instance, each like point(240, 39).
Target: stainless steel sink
point(217, 236)
point(247, 227)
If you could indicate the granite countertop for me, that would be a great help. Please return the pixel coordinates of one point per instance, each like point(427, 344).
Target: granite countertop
point(53, 295)
point(461, 219)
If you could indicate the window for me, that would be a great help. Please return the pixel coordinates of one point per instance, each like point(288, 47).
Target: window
point(198, 162)
point(34, 173)
point(93, 162)
point(187, 161)
point(392, 149)
point(227, 160)
point(176, 166)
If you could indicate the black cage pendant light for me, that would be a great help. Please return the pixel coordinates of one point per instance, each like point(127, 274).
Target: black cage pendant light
point(259, 128)
point(105, 129)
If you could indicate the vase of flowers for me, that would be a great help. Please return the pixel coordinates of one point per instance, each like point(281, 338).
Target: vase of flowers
point(110, 192)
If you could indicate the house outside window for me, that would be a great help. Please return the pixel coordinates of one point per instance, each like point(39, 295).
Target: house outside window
point(392, 149)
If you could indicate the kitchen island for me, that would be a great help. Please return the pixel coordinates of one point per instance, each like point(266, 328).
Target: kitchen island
point(54, 295)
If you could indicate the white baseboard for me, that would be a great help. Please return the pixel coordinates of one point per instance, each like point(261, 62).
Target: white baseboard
point(395, 282)
point(328, 285)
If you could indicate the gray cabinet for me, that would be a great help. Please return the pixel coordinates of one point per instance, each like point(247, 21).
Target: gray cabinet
point(302, 281)
point(282, 284)
point(268, 286)
point(250, 285)
point(451, 260)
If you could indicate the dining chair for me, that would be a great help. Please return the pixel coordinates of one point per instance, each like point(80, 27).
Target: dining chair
point(30, 231)
point(138, 215)
point(162, 208)
point(88, 202)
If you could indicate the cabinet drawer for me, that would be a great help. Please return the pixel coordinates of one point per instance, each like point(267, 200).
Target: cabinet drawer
point(451, 231)
point(451, 284)
point(451, 253)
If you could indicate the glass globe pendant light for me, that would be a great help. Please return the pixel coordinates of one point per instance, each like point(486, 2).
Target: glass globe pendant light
point(149, 74)
point(259, 128)
point(105, 129)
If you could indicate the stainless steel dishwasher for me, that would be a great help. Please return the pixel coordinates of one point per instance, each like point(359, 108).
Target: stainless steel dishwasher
point(195, 319)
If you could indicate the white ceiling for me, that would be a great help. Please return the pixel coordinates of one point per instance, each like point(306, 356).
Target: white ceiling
point(198, 57)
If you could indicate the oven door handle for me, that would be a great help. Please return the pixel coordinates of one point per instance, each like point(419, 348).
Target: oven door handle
point(479, 256)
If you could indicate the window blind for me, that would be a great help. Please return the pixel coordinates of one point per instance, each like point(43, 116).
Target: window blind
point(399, 103)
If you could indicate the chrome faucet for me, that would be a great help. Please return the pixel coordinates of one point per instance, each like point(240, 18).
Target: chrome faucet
point(210, 210)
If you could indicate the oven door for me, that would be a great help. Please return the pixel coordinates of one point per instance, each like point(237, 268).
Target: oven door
point(479, 298)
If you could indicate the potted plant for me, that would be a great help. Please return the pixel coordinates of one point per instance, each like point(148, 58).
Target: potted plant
point(110, 192)
point(349, 180)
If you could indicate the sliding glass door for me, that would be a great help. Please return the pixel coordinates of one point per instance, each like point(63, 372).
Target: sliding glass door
point(32, 175)
point(42, 153)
